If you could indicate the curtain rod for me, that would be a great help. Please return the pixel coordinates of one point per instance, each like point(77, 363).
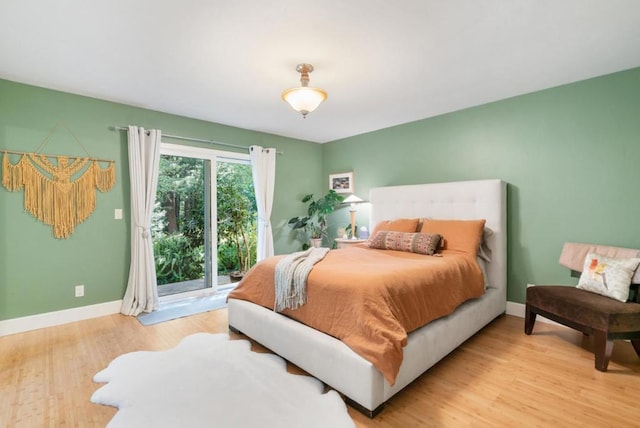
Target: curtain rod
point(56, 156)
point(198, 140)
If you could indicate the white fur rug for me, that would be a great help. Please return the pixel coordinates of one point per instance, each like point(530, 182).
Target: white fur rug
point(209, 380)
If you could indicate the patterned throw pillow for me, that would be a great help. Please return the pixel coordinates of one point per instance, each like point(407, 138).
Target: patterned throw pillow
point(421, 243)
point(607, 276)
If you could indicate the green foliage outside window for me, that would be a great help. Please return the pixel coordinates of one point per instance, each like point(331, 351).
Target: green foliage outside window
point(237, 217)
point(178, 221)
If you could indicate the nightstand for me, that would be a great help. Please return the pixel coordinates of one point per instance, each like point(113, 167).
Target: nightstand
point(346, 242)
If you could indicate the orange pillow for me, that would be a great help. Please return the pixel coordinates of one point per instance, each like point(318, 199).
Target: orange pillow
point(458, 235)
point(407, 225)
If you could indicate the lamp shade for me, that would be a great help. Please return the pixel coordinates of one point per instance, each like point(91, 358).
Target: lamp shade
point(352, 199)
point(304, 99)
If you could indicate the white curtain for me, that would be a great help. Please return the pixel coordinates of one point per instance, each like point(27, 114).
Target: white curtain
point(144, 163)
point(263, 166)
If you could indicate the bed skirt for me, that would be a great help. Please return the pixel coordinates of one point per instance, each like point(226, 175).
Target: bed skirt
point(334, 363)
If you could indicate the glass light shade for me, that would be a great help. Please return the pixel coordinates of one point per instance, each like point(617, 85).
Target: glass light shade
point(304, 99)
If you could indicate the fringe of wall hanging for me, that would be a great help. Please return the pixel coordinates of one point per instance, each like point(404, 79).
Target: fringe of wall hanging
point(51, 194)
point(57, 201)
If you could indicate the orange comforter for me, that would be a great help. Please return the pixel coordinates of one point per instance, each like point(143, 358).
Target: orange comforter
point(370, 299)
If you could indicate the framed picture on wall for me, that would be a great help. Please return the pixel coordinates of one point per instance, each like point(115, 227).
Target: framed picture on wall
point(341, 182)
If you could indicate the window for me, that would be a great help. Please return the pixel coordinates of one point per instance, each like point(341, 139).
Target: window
point(201, 194)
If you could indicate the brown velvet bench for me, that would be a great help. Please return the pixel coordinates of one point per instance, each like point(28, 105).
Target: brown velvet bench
point(592, 314)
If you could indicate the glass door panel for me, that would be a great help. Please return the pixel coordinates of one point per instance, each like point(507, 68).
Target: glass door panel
point(204, 222)
point(236, 220)
point(181, 225)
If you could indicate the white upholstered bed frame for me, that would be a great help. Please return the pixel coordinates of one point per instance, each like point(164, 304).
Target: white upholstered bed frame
point(331, 361)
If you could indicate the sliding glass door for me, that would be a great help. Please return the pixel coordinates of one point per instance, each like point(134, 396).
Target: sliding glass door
point(204, 220)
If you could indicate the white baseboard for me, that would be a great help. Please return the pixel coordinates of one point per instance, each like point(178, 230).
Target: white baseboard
point(517, 310)
point(50, 319)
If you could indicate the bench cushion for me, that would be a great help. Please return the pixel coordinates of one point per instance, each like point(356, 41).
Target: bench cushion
point(586, 308)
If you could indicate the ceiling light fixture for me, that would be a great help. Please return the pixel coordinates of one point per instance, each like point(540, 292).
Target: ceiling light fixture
point(304, 99)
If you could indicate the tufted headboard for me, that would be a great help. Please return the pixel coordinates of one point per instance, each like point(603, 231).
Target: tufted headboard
point(463, 200)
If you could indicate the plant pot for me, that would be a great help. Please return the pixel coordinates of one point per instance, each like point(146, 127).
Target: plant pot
point(236, 276)
point(316, 242)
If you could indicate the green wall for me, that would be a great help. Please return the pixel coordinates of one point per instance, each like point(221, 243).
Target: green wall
point(38, 272)
point(570, 156)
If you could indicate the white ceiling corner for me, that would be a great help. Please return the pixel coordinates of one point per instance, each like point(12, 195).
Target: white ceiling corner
point(382, 63)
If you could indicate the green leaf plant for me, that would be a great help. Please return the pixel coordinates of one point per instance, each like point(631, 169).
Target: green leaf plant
point(314, 224)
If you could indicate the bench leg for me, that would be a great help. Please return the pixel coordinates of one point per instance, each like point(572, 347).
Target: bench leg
point(603, 348)
point(529, 319)
point(636, 346)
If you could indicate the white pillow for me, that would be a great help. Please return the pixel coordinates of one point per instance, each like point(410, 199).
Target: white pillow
point(608, 276)
point(484, 251)
point(483, 266)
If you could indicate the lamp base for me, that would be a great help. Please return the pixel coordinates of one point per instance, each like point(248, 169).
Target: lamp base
point(352, 214)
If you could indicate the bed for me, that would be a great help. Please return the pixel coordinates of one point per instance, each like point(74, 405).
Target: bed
point(335, 363)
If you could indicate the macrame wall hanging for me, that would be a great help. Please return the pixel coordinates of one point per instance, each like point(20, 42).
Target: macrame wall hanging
point(60, 194)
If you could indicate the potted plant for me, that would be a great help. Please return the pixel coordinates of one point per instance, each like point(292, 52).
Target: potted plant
point(314, 224)
point(234, 227)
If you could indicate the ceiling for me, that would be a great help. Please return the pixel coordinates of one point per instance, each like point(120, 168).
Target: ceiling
point(383, 63)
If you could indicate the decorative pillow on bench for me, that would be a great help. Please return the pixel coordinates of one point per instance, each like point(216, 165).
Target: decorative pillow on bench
point(607, 276)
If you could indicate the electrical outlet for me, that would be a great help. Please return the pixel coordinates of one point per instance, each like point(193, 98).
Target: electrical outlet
point(79, 290)
point(117, 214)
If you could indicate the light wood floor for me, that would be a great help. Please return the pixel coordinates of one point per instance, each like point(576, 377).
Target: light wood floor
point(500, 377)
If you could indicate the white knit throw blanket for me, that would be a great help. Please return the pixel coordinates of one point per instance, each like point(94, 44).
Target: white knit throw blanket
point(291, 277)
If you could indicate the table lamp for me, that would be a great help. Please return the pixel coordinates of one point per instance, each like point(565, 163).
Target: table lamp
point(353, 200)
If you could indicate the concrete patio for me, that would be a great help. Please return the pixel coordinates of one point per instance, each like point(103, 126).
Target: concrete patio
point(197, 284)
